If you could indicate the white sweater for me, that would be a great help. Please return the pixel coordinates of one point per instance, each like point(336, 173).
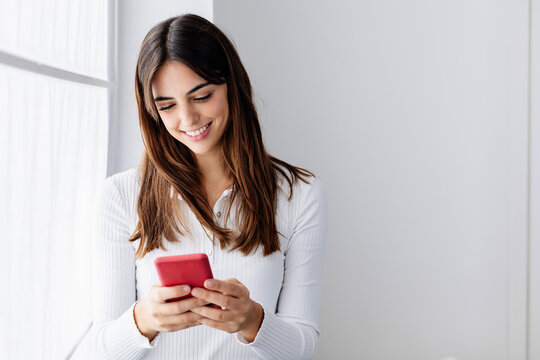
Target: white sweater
point(286, 283)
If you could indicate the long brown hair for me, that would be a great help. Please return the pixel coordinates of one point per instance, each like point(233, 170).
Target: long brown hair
point(168, 167)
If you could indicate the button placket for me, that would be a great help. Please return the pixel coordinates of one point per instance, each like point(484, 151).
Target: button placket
point(209, 251)
point(208, 244)
point(210, 237)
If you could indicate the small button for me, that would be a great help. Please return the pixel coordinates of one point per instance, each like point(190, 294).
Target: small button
point(218, 214)
point(209, 252)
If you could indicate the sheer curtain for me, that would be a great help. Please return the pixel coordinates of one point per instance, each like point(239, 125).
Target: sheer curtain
point(53, 157)
point(67, 34)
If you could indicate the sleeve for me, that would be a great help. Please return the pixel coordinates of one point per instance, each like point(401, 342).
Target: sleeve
point(114, 334)
point(292, 331)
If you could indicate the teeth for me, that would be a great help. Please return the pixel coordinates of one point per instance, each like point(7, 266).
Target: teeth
point(198, 132)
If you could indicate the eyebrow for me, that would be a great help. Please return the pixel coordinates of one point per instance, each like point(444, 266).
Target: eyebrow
point(161, 98)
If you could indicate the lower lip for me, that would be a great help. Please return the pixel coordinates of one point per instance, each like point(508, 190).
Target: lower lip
point(201, 135)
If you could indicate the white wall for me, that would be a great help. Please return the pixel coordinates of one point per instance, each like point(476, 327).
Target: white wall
point(415, 115)
point(135, 19)
point(534, 301)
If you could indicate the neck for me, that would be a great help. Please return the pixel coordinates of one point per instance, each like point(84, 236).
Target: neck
point(212, 170)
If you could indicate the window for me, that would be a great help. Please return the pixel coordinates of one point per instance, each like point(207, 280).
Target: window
point(55, 105)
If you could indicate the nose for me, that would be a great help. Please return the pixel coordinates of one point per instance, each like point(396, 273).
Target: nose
point(188, 117)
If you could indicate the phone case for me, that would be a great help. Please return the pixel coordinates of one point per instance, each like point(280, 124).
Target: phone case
point(192, 269)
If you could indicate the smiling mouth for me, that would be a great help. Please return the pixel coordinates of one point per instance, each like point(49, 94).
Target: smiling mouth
point(198, 131)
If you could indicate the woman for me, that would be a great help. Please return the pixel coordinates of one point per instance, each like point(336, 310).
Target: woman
point(205, 184)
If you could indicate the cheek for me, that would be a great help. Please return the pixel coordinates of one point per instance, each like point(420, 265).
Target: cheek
point(211, 111)
point(218, 109)
point(169, 123)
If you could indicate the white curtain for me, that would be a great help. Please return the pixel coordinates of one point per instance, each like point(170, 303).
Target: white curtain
point(53, 157)
point(68, 34)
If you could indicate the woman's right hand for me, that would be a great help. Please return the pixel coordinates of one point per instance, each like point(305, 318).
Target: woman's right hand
point(153, 314)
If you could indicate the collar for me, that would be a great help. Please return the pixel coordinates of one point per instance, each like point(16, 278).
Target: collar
point(225, 193)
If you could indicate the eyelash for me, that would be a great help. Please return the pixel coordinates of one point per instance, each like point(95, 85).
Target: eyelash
point(203, 99)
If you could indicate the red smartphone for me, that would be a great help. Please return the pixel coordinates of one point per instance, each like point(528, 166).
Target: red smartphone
point(192, 270)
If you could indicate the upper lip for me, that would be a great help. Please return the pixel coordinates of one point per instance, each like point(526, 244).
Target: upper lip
point(197, 128)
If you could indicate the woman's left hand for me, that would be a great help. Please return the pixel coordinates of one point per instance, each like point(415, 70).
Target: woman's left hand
point(234, 310)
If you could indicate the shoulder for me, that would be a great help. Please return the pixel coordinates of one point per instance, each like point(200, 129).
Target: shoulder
point(311, 189)
point(125, 179)
point(305, 212)
point(121, 189)
point(307, 197)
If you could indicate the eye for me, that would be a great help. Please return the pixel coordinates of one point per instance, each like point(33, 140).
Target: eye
point(166, 108)
point(202, 99)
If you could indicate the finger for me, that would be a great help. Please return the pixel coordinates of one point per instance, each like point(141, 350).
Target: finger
point(214, 314)
point(216, 298)
point(244, 292)
point(164, 293)
point(181, 306)
point(225, 286)
point(172, 321)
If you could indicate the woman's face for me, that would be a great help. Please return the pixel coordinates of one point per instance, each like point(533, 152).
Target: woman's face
point(193, 111)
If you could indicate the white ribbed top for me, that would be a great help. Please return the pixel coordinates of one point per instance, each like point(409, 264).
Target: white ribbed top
point(286, 283)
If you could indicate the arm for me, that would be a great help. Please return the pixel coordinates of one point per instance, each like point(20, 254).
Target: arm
point(113, 334)
point(292, 332)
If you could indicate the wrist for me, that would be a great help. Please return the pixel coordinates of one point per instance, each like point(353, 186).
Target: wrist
point(254, 324)
point(138, 316)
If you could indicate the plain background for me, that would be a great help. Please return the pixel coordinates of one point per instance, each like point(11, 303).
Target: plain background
point(420, 118)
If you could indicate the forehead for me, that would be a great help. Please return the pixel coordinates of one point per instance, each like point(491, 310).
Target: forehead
point(174, 78)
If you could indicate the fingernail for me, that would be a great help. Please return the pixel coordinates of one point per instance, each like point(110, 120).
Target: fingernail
point(196, 292)
point(186, 289)
point(209, 283)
